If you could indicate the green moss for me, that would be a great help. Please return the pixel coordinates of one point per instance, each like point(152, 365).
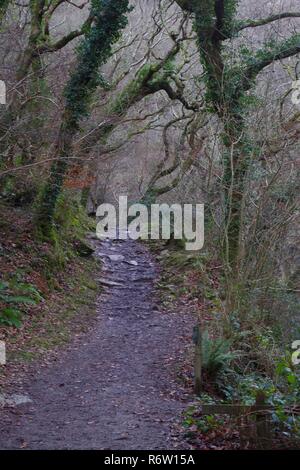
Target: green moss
point(130, 92)
point(70, 225)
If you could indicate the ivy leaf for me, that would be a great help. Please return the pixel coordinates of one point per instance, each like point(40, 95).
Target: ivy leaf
point(291, 378)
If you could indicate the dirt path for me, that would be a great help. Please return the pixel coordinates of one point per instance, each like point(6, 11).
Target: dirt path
point(115, 388)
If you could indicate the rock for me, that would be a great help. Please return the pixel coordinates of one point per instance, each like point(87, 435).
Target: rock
point(101, 254)
point(108, 283)
point(14, 400)
point(116, 257)
point(132, 263)
point(83, 249)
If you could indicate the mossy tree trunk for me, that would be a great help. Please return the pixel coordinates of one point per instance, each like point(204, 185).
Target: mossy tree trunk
point(110, 17)
point(29, 75)
point(226, 87)
point(30, 57)
point(4, 4)
point(54, 183)
point(226, 94)
point(214, 23)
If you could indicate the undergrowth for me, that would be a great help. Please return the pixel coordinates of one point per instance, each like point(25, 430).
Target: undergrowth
point(241, 354)
point(31, 269)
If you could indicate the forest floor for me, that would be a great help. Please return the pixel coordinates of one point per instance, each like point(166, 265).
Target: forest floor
point(116, 386)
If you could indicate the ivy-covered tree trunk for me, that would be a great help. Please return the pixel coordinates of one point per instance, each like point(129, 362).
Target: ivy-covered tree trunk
point(29, 60)
point(53, 187)
point(226, 88)
point(3, 8)
point(214, 22)
point(110, 17)
point(29, 74)
point(227, 85)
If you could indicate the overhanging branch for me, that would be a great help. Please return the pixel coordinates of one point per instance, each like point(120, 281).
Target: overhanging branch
point(264, 58)
point(263, 21)
point(48, 47)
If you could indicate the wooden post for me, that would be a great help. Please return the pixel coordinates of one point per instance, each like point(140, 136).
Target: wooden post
point(262, 428)
point(198, 359)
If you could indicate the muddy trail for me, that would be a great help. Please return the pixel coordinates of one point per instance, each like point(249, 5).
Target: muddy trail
point(116, 388)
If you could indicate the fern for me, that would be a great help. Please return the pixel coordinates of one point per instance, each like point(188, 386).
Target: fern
point(12, 315)
point(216, 354)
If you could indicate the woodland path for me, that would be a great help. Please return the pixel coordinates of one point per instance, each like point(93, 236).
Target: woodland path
point(116, 388)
